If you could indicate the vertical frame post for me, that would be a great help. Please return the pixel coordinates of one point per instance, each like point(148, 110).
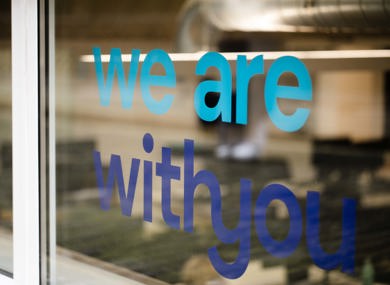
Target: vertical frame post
point(25, 141)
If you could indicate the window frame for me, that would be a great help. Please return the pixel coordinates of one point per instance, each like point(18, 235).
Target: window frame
point(25, 144)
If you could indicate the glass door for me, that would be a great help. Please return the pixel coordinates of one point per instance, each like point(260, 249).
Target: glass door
point(217, 142)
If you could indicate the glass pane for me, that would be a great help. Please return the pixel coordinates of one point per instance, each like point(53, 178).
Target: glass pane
point(174, 166)
point(6, 246)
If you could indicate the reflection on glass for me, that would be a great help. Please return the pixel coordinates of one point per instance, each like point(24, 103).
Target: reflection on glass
point(6, 259)
point(341, 152)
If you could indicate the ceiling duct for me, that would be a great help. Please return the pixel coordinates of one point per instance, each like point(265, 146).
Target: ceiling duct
point(350, 16)
point(341, 14)
point(293, 15)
